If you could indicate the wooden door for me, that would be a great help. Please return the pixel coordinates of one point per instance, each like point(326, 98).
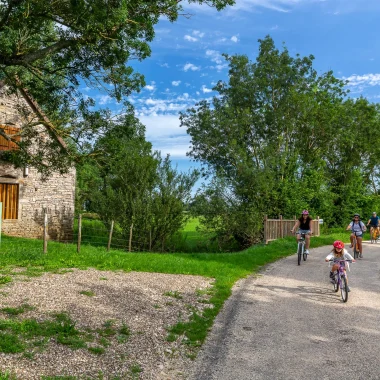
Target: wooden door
point(9, 198)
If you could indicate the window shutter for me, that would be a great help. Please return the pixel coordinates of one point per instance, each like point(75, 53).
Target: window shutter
point(10, 131)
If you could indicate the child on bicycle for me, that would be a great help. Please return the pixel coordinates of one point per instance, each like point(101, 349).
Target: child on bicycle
point(338, 253)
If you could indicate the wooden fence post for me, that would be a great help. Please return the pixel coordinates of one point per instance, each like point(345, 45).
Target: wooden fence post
point(79, 232)
point(130, 238)
point(318, 227)
point(265, 229)
point(45, 230)
point(281, 228)
point(110, 237)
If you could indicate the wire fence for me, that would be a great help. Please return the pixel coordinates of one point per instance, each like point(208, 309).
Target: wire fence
point(92, 232)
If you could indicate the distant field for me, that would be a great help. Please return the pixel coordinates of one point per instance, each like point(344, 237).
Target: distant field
point(187, 240)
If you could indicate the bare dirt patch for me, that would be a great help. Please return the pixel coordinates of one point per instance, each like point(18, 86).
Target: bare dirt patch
point(147, 303)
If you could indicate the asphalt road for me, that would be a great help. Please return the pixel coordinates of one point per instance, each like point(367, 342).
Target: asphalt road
point(287, 323)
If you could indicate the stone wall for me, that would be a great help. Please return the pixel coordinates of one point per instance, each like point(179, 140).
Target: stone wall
point(56, 195)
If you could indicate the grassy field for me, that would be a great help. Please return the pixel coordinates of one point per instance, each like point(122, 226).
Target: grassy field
point(225, 268)
point(188, 240)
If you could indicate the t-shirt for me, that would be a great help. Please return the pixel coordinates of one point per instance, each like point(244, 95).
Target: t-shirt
point(357, 227)
point(335, 258)
point(374, 220)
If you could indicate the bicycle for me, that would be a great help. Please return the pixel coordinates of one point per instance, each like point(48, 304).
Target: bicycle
point(374, 235)
point(301, 249)
point(340, 279)
point(356, 246)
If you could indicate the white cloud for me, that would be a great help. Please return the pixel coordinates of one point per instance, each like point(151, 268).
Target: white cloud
point(363, 80)
point(215, 56)
point(164, 65)
point(150, 87)
point(205, 90)
point(176, 83)
point(190, 66)
point(198, 33)
point(234, 39)
point(189, 38)
point(184, 97)
point(104, 99)
point(166, 135)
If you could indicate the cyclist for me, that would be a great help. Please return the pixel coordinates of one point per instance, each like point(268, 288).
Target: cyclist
point(374, 222)
point(357, 227)
point(338, 253)
point(304, 227)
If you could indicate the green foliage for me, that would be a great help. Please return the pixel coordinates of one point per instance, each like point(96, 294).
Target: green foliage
point(56, 51)
point(279, 138)
point(134, 187)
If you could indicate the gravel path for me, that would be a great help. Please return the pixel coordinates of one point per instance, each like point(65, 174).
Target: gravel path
point(147, 303)
point(288, 324)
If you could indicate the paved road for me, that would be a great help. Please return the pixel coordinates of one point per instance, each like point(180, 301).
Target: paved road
point(287, 323)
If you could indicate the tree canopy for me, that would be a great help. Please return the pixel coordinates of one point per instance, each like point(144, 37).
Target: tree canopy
point(54, 50)
point(280, 137)
point(134, 186)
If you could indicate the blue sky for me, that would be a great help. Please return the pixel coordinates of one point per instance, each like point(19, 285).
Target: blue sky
point(186, 59)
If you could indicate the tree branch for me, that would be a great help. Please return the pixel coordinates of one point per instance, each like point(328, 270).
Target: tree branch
point(11, 4)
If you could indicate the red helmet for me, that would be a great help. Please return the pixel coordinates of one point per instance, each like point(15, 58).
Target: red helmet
point(338, 244)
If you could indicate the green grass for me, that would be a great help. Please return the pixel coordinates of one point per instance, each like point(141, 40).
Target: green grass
point(17, 310)
point(7, 376)
point(189, 239)
point(224, 268)
point(88, 293)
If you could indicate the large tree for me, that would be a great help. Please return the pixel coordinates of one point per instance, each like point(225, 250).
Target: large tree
point(52, 50)
point(276, 136)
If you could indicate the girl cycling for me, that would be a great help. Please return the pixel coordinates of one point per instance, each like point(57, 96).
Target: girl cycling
point(305, 227)
point(338, 253)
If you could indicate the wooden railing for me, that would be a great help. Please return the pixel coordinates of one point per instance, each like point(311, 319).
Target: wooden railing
point(279, 228)
point(11, 132)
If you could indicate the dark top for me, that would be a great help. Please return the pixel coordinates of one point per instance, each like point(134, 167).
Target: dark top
point(374, 221)
point(305, 224)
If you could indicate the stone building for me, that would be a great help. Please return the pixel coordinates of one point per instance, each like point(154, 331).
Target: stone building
point(24, 194)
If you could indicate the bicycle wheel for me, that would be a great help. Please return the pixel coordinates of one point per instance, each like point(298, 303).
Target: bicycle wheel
point(299, 252)
point(373, 236)
point(304, 256)
point(343, 288)
point(356, 251)
point(336, 283)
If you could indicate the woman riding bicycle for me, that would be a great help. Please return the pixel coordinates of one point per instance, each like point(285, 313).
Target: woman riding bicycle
point(374, 221)
point(357, 227)
point(338, 253)
point(304, 227)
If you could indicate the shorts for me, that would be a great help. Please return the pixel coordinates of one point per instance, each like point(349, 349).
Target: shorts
point(303, 231)
point(358, 234)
